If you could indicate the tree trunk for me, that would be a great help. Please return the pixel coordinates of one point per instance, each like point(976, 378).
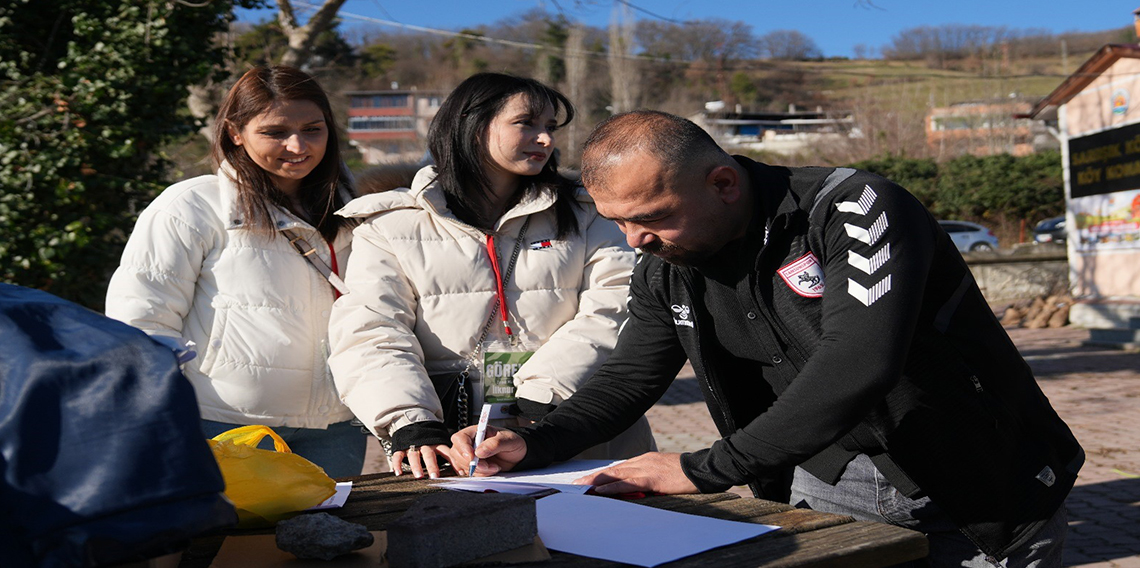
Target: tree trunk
point(302, 38)
point(623, 68)
point(575, 80)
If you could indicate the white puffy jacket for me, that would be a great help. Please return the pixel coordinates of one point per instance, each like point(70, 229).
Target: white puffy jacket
point(256, 310)
point(422, 288)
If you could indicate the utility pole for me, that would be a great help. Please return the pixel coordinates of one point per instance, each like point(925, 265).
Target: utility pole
point(575, 57)
point(623, 68)
point(1064, 57)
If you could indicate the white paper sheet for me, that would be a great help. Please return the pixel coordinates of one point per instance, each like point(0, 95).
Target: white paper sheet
point(478, 486)
point(621, 531)
point(557, 476)
point(343, 488)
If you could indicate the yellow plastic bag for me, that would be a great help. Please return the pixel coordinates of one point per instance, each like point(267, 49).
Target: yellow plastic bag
point(266, 486)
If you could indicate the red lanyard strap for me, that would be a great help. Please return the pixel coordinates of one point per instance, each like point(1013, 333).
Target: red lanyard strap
point(335, 270)
point(309, 253)
point(501, 278)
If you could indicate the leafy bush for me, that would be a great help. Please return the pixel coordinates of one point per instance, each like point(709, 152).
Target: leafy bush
point(917, 175)
point(1002, 191)
point(88, 92)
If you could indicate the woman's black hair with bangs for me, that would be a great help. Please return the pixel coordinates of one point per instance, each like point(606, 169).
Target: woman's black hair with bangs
point(458, 143)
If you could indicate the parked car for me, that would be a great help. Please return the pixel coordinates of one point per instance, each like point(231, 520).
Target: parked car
point(1050, 231)
point(970, 237)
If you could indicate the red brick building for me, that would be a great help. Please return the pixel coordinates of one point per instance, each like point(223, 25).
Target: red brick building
point(391, 126)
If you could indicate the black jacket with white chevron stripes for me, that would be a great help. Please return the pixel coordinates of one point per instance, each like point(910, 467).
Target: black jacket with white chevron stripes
point(871, 336)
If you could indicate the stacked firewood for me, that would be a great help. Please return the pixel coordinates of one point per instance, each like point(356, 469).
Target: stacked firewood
point(1042, 311)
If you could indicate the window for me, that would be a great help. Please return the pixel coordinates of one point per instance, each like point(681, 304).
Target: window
point(384, 123)
point(389, 101)
point(379, 101)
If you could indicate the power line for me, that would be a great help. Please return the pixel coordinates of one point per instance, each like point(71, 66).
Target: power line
point(742, 66)
point(647, 12)
point(382, 10)
point(434, 31)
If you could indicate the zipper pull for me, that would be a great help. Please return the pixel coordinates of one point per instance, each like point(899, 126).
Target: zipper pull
point(977, 383)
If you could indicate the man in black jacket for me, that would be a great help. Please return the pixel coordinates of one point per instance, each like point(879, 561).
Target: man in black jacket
point(840, 340)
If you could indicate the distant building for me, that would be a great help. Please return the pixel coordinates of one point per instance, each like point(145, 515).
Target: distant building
point(1099, 128)
point(985, 128)
point(391, 126)
point(785, 133)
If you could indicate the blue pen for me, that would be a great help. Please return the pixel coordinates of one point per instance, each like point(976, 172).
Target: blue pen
point(480, 433)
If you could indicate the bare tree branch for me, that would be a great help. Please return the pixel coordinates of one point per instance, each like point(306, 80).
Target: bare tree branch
point(301, 39)
point(286, 17)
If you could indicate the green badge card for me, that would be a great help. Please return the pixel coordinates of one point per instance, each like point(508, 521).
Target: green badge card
point(499, 368)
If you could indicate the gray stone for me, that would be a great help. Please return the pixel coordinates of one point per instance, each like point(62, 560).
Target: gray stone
point(321, 536)
point(452, 527)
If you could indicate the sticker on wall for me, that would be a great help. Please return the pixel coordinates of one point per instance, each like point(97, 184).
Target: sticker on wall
point(1120, 102)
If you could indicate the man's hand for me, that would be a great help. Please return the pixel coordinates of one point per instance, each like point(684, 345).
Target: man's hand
point(653, 472)
point(501, 450)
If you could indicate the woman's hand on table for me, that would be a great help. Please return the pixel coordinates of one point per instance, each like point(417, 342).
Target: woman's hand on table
point(421, 459)
point(653, 472)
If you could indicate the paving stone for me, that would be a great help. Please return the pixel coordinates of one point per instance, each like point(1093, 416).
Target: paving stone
point(321, 536)
point(452, 527)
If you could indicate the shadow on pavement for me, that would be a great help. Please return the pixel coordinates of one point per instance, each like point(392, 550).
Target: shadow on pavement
point(1103, 521)
point(1066, 360)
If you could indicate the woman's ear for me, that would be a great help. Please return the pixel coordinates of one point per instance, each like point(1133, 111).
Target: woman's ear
point(234, 133)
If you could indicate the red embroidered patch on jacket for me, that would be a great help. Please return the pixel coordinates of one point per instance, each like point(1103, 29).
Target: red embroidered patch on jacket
point(804, 276)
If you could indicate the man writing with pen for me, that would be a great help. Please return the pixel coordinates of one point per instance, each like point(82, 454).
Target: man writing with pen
point(845, 352)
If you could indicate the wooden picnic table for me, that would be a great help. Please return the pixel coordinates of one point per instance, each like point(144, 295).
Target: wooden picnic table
point(805, 538)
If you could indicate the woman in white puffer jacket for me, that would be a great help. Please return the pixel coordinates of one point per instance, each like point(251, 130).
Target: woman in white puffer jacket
point(211, 263)
point(424, 307)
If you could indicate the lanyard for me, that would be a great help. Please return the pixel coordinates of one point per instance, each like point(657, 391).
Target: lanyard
point(308, 252)
point(335, 270)
point(502, 277)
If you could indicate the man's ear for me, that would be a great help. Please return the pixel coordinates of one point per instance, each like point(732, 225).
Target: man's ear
point(726, 181)
point(234, 133)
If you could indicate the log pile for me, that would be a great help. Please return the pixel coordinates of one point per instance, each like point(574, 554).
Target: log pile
point(1039, 312)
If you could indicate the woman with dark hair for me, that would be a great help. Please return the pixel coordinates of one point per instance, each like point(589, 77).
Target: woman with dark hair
point(243, 266)
point(491, 279)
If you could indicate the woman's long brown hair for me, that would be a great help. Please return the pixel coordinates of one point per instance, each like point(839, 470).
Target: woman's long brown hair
point(252, 95)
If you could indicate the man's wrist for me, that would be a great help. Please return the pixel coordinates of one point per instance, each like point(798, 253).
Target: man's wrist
point(696, 467)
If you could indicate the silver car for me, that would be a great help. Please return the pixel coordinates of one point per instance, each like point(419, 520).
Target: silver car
point(970, 237)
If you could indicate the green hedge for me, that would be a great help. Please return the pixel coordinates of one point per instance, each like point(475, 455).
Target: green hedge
point(1003, 192)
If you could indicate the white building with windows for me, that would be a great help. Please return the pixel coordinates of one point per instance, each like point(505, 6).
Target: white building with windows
point(785, 133)
point(391, 126)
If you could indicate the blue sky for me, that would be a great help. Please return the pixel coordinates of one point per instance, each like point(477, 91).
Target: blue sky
point(835, 25)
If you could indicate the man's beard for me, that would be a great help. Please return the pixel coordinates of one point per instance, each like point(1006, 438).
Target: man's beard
point(674, 254)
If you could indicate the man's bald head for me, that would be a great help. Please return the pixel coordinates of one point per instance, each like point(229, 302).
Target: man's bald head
point(676, 143)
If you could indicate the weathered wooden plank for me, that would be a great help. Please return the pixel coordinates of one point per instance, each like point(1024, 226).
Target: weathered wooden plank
point(807, 538)
point(744, 510)
point(859, 544)
point(796, 521)
point(676, 502)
